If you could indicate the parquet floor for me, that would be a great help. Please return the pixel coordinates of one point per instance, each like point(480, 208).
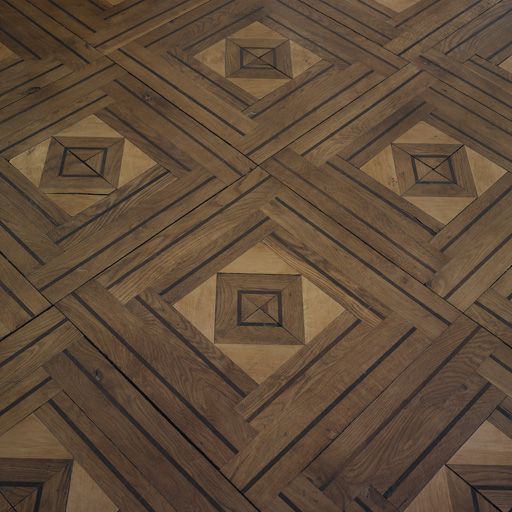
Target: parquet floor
point(255, 255)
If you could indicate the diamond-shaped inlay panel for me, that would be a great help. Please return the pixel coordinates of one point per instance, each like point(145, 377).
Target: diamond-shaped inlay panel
point(433, 171)
point(259, 311)
point(258, 59)
point(81, 164)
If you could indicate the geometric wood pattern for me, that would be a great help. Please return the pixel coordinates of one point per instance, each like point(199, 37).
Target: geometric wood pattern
point(483, 462)
point(82, 163)
point(255, 255)
point(433, 171)
point(257, 59)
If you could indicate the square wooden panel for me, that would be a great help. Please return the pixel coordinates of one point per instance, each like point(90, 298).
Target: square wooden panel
point(258, 59)
point(433, 171)
point(259, 308)
point(259, 277)
point(80, 165)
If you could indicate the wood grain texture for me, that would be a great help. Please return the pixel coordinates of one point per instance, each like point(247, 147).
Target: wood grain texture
point(255, 255)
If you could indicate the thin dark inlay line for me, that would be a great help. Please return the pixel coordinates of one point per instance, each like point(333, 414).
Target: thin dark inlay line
point(471, 84)
point(474, 34)
point(154, 41)
point(21, 242)
point(501, 363)
point(120, 237)
point(431, 446)
point(289, 502)
point(503, 411)
point(123, 9)
point(311, 41)
point(71, 15)
point(385, 200)
point(477, 218)
point(477, 267)
point(207, 78)
point(53, 36)
point(143, 431)
point(16, 299)
point(181, 91)
point(32, 343)
point(69, 114)
point(9, 67)
point(342, 23)
point(473, 112)
point(360, 219)
point(386, 130)
point(118, 34)
point(111, 207)
point(365, 263)
point(289, 93)
point(348, 15)
point(290, 381)
point(157, 374)
point(491, 487)
point(179, 163)
point(101, 456)
point(478, 142)
point(439, 27)
point(213, 256)
point(494, 314)
point(474, 499)
point(24, 396)
point(191, 347)
point(328, 409)
point(315, 108)
point(187, 134)
point(60, 91)
point(184, 235)
point(350, 42)
point(374, 8)
point(417, 13)
point(362, 112)
point(346, 290)
point(225, 27)
point(23, 45)
point(410, 397)
point(362, 504)
point(506, 45)
point(489, 70)
point(21, 84)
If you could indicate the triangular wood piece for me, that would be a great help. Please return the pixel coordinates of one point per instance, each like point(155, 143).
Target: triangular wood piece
point(16, 492)
point(271, 308)
point(259, 317)
point(434, 177)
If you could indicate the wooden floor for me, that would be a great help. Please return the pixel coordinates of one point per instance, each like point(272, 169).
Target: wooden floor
point(255, 255)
